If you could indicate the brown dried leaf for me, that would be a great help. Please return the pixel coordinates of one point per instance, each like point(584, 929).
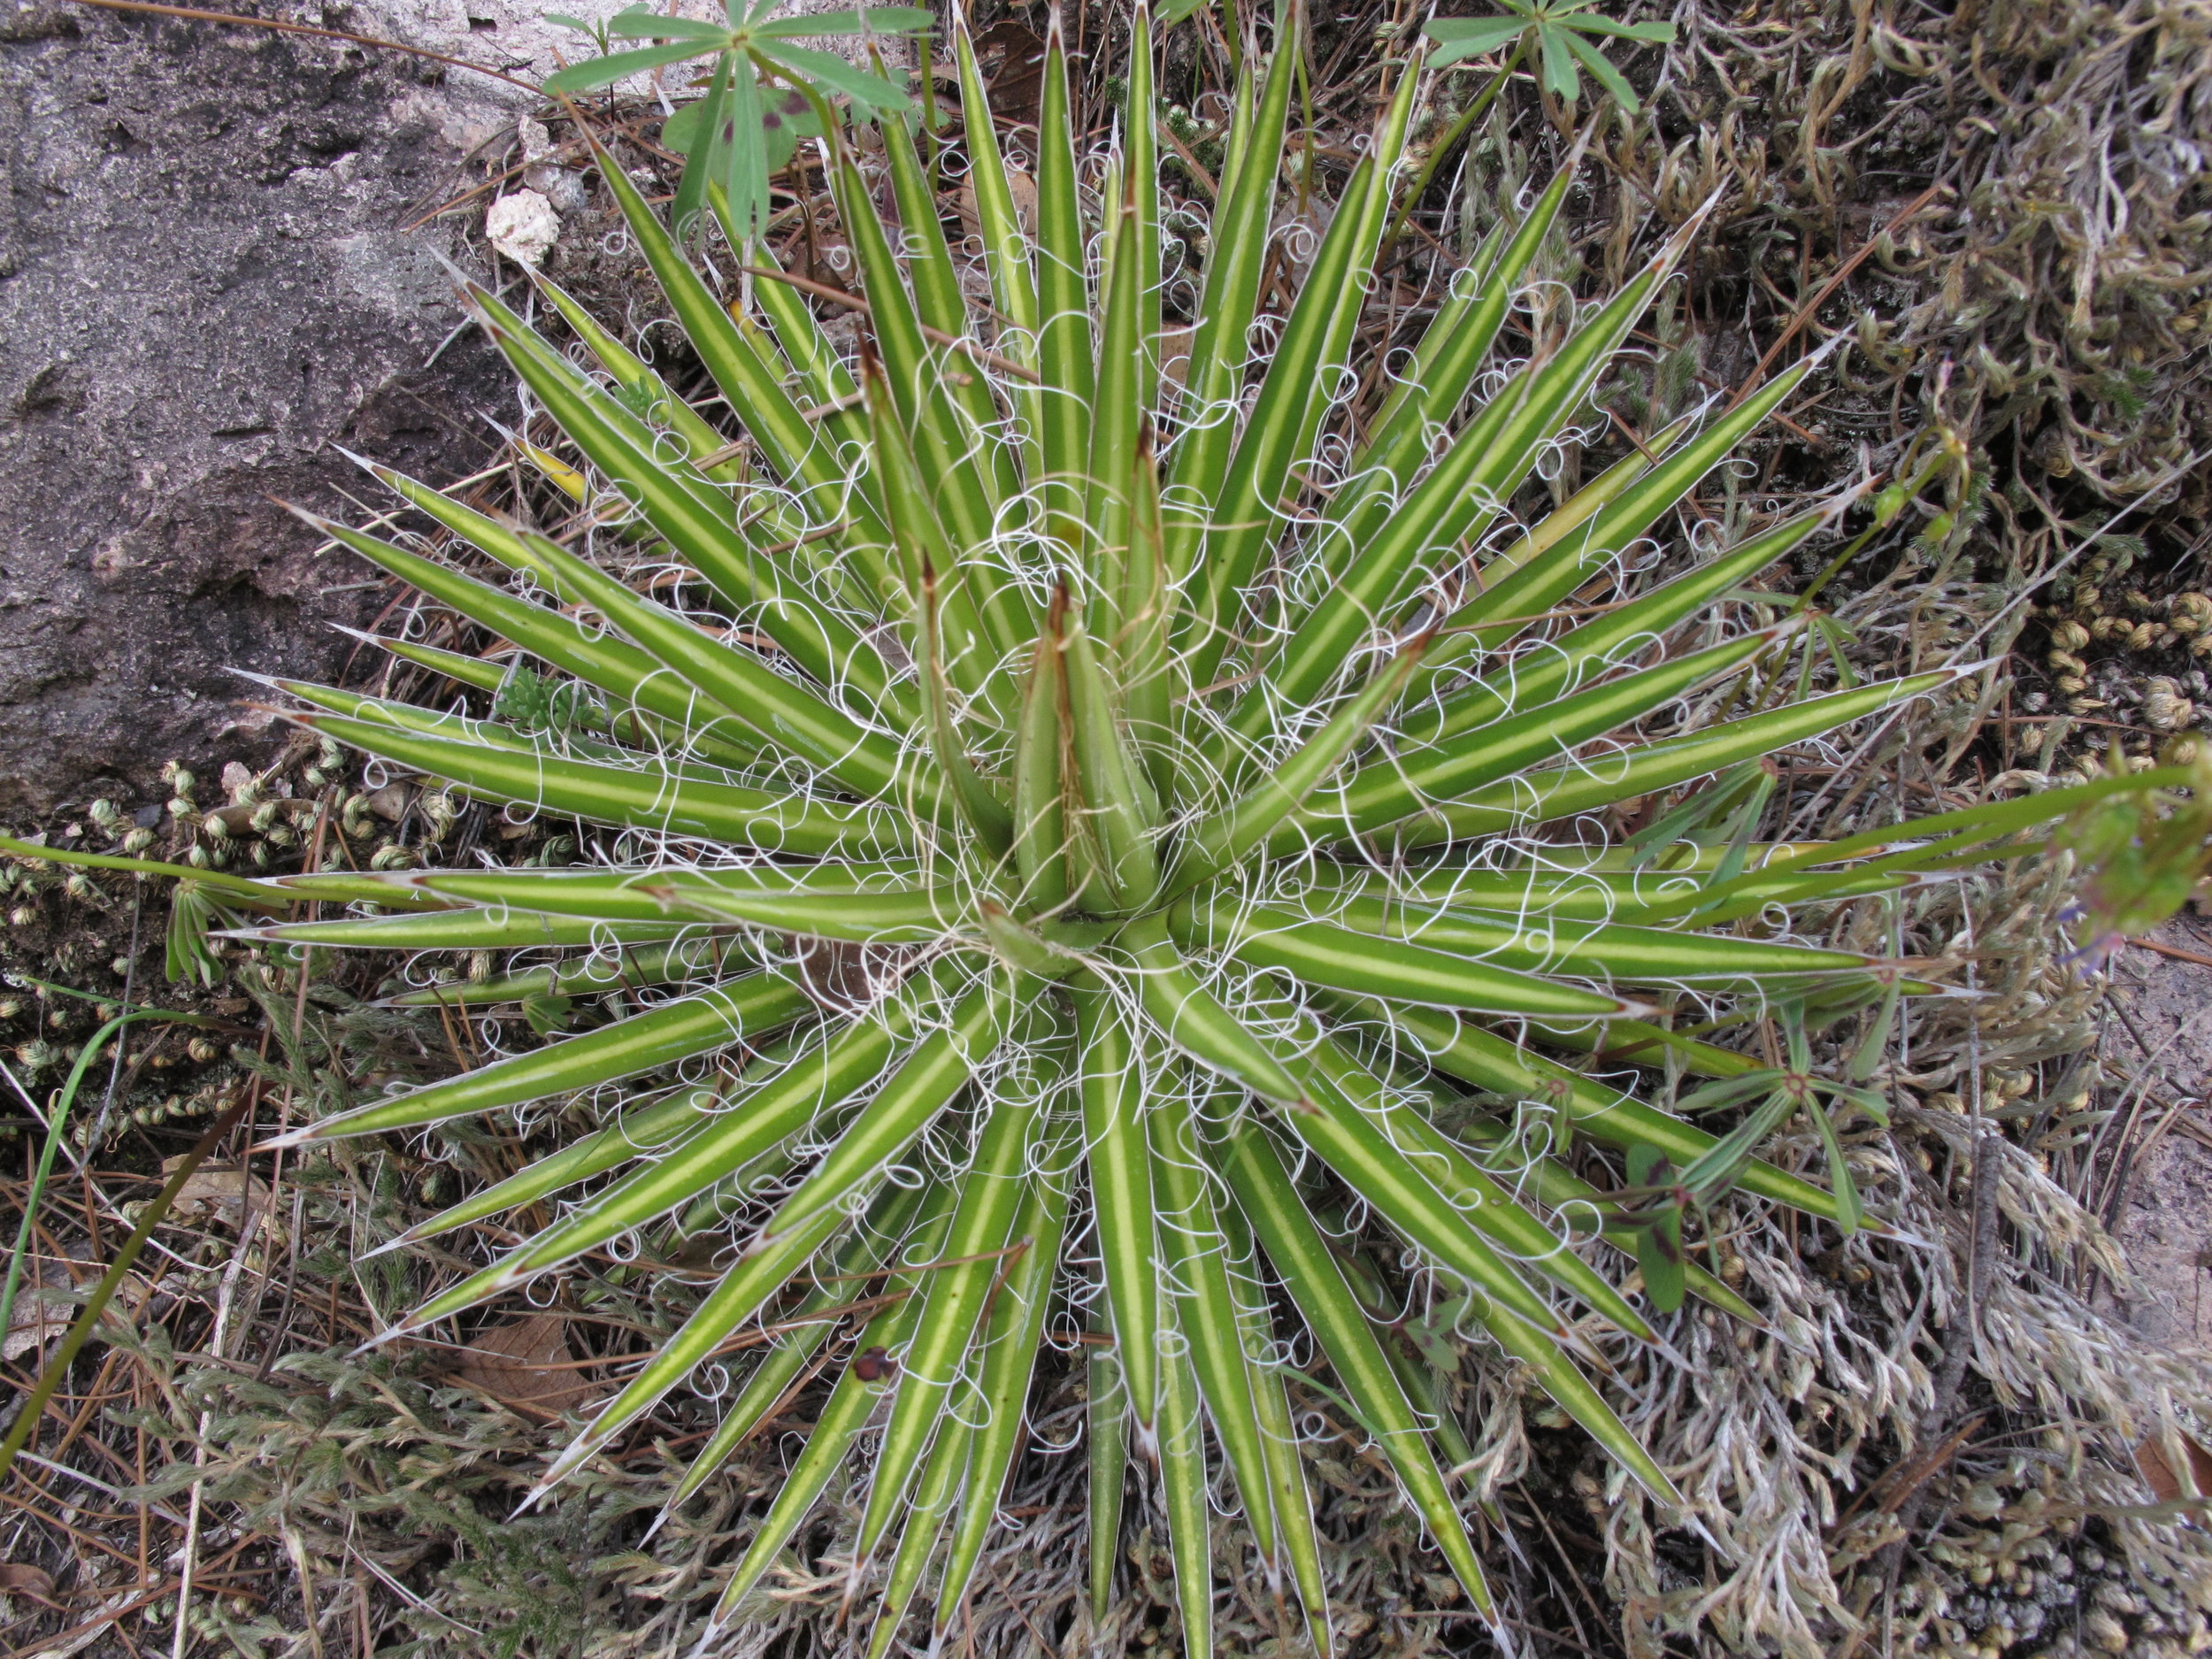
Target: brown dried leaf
point(514, 1364)
point(20, 1578)
point(2159, 1475)
point(214, 1187)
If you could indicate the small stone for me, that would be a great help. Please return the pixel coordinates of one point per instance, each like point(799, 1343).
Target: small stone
point(543, 171)
point(523, 226)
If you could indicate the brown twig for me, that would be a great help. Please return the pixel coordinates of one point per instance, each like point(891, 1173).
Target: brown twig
point(1842, 274)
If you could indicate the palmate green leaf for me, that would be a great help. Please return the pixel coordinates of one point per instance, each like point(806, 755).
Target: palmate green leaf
point(1053, 798)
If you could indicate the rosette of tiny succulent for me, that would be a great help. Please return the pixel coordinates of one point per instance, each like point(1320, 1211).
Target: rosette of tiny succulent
point(1107, 837)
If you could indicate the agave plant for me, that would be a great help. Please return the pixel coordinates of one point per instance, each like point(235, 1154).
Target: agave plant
point(1114, 839)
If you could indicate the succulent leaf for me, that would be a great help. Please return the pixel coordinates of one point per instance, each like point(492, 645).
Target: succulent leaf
point(1064, 854)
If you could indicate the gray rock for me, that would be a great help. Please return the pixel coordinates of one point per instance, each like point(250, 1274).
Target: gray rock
point(206, 280)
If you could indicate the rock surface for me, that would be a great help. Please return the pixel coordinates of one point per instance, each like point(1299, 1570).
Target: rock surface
point(211, 275)
point(207, 279)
